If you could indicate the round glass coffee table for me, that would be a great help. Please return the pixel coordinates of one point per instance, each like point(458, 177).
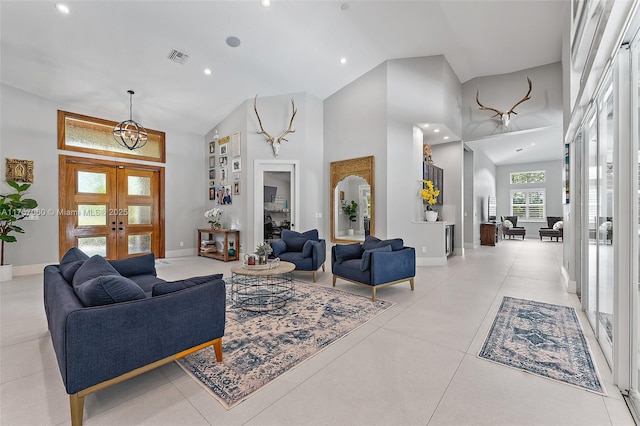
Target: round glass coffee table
point(262, 288)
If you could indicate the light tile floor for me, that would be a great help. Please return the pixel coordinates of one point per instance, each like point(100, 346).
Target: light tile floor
point(415, 364)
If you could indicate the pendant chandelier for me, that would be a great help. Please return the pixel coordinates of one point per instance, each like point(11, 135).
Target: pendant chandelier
point(128, 133)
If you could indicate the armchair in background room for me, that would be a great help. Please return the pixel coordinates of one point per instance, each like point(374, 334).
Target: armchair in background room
point(553, 229)
point(510, 227)
point(305, 250)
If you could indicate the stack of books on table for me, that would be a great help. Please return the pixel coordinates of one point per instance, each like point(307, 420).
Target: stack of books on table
point(208, 246)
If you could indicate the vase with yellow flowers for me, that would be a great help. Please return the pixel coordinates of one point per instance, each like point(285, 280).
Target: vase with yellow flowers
point(429, 197)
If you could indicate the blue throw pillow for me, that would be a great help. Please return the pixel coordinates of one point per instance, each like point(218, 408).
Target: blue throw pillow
point(371, 242)
point(173, 286)
point(348, 251)
point(366, 256)
point(138, 265)
point(295, 240)
point(279, 247)
point(108, 289)
point(93, 267)
point(307, 248)
point(71, 262)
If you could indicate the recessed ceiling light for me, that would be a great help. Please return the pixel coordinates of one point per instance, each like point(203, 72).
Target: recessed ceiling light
point(233, 41)
point(436, 130)
point(207, 71)
point(533, 144)
point(343, 61)
point(445, 138)
point(425, 126)
point(265, 3)
point(63, 8)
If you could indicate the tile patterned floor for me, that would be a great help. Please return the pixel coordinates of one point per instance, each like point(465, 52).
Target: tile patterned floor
point(414, 365)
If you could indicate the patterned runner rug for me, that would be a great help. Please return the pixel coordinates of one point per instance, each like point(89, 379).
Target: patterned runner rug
point(259, 347)
point(542, 339)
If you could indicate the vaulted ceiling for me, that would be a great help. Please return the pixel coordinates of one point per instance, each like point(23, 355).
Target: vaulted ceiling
point(93, 55)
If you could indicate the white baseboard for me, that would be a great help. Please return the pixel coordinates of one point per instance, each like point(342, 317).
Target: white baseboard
point(30, 269)
point(180, 253)
point(431, 261)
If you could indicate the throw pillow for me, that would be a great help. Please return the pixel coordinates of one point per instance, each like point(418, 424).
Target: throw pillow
point(295, 240)
point(606, 226)
point(371, 242)
point(307, 248)
point(348, 251)
point(173, 286)
point(93, 267)
point(366, 256)
point(279, 247)
point(558, 225)
point(71, 262)
point(507, 224)
point(138, 265)
point(108, 289)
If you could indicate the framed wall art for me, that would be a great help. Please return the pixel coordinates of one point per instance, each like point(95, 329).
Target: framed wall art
point(236, 165)
point(19, 170)
point(212, 147)
point(212, 161)
point(223, 149)
point(236, 188)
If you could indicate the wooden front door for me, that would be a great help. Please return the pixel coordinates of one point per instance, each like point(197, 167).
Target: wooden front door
point(111, 209)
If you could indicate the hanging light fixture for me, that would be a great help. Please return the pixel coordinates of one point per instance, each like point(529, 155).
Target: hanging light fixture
point(130, 134)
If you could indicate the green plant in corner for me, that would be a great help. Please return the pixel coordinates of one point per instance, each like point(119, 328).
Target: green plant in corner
point(350, 210)
point(13, 207)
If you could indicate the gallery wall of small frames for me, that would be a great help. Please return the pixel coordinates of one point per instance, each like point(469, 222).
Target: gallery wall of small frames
point(225, 166)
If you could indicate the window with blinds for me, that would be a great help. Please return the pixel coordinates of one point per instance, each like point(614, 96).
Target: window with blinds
point(528, 203)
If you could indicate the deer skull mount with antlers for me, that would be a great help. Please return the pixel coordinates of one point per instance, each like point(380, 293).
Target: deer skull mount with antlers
point(275, 142)
point(505, 117)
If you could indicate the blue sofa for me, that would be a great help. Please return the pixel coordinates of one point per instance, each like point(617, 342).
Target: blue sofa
point(375, 263)
point(304, 249)
point(112, 320)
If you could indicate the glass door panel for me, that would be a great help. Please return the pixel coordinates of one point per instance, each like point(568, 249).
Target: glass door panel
point(591, 212)
point(605, 223)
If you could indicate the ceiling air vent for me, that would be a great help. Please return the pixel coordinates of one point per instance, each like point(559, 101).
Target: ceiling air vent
point(178, 57)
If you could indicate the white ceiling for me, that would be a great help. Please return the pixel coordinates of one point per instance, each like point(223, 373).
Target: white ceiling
point(93, 55)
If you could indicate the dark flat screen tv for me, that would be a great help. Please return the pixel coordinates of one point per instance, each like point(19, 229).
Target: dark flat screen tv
point(270, 193)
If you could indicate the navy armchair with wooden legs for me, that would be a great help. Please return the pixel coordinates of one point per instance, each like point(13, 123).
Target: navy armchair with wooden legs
point(375, 263)
point(304, 249)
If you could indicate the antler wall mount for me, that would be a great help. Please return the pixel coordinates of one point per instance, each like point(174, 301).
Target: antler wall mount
point(275, 142)
point(505, 117)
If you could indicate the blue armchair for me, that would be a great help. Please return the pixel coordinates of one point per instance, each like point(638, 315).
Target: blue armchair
point(305, 250)
point(375, 263)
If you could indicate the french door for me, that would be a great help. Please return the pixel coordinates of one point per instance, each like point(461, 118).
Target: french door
point(109, 208)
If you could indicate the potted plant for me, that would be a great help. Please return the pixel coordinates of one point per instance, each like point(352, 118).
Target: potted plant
point(13, 207)
point(351, 211)
point(263, 251)
point(429, 196)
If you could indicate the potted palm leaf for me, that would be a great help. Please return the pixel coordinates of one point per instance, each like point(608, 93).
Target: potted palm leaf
point(13, 207)
point(351, 211)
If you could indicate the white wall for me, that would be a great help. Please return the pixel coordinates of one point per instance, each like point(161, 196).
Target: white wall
point(502, 91)
point(553, 186)
point(28, 130)
point(304, 145)
point(484, 185)
point(450, 157)
point(355, 125)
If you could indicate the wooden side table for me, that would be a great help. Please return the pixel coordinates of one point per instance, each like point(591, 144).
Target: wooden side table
point(229, 236)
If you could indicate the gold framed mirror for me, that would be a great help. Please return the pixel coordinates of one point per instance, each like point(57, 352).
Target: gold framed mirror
point(352, 182)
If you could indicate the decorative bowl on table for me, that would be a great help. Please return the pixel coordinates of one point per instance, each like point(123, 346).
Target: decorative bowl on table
point(271, 264)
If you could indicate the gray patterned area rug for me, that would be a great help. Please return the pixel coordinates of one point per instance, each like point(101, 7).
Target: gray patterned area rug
point(259, 347)
point(542, 339)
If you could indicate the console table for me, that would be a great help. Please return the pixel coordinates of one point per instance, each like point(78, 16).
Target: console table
point(230, 239)
point(489, 233)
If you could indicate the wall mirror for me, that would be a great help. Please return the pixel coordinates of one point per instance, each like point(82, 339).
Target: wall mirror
point(352, 181)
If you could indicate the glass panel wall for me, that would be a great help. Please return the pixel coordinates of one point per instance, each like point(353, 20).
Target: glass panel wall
point(634, 391)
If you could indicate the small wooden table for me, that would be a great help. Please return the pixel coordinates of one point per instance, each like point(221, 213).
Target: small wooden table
point(226, 243)
point(264, 289)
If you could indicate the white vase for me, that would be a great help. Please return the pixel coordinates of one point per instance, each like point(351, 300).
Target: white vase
point(6, 273)
point(430, 215)
point(350, 231)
